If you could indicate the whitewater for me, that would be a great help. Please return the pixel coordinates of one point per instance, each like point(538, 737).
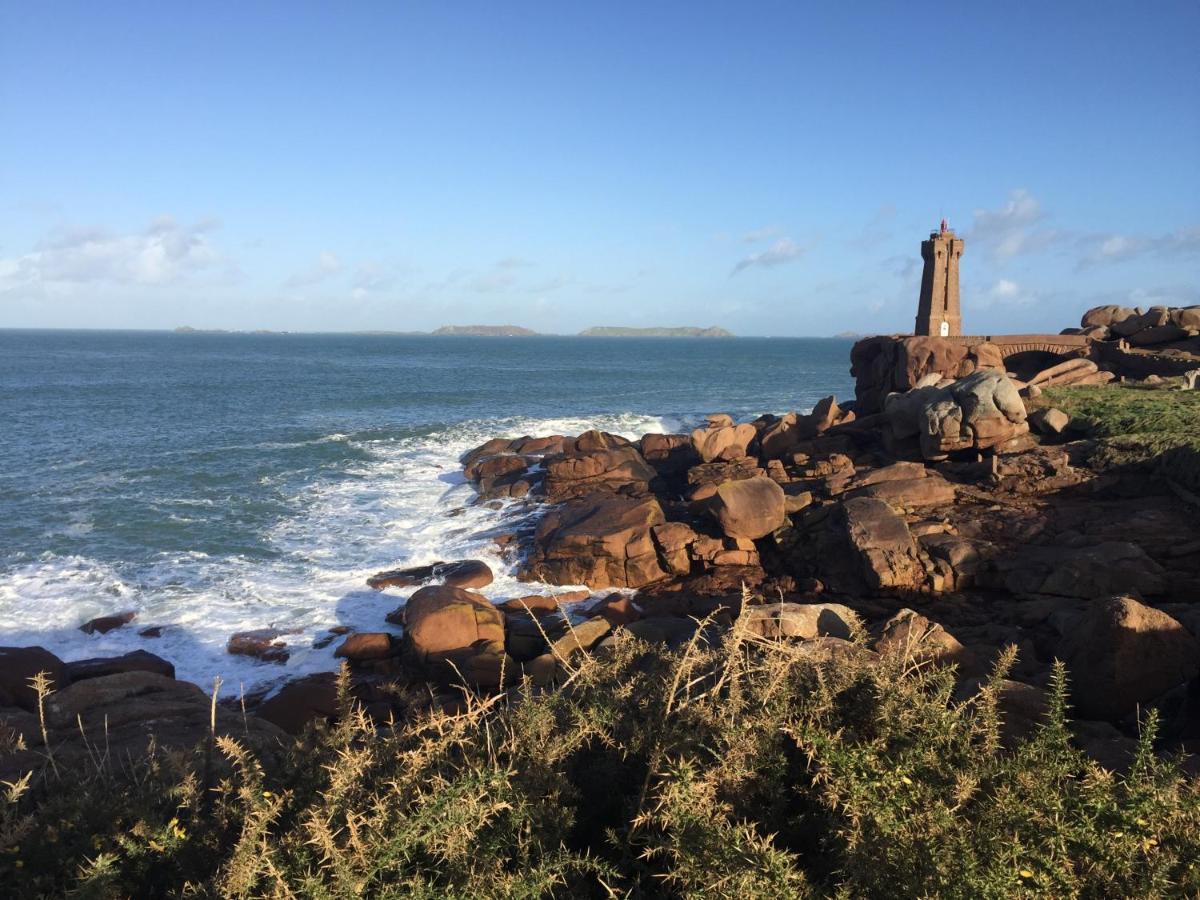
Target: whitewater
point(218, 486)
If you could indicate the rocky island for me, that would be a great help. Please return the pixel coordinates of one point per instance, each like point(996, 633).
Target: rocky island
point(483, 331)
point(618, 331)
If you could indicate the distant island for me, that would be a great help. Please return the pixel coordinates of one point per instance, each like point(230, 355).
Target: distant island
point(503, 331)
point(617, 331)
point(484, 331)
point(850, 334)
point(188, 329)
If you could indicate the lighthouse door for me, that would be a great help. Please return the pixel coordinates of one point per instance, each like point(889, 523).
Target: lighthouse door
point(944, 331)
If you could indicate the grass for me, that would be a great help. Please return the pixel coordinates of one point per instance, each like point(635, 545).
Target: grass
point(1136, 426)
point(746, 770)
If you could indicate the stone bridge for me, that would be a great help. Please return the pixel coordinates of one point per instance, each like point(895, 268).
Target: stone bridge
point(1010, 345)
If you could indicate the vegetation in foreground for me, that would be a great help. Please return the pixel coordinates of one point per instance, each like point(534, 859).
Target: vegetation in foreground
point(1136, 425)
point(749, 770)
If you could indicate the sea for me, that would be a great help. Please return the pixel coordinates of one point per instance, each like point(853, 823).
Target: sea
point(214, 483)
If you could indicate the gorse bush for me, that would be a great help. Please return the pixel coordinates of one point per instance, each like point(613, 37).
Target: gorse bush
point(752, 769)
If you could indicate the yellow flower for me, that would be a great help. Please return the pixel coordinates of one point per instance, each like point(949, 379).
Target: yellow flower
point(906, 779)
point(267, 794)
point(1025, 873)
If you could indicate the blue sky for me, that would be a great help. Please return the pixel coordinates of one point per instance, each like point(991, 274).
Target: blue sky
point(766, 166)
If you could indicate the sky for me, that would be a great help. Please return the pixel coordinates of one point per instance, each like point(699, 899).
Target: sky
point(768, 167)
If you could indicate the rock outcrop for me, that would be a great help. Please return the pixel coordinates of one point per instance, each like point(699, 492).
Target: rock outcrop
point(455, 635)
point(463, 573)
point(721, 439)
point(1157, 326)
point(130, 714)
point(880, 539)
point(1122, 654)
point(886, 365)
point(748, 508)
point(18, 665)
point(600, 540)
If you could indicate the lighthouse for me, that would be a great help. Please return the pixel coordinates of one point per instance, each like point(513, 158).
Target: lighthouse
point(938, 310)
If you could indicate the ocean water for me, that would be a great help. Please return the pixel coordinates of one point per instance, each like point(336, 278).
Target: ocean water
point(215, 483)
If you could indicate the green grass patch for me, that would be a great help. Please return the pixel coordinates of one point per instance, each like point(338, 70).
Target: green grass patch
point(1136, 426)
point(747, 771)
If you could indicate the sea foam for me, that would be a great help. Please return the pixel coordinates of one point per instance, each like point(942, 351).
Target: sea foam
point(402, 502)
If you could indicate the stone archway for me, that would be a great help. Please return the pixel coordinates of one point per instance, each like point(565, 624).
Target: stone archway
point(1026, 363)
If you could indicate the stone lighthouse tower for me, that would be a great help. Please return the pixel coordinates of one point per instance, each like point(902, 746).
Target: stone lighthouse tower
point(938, 312)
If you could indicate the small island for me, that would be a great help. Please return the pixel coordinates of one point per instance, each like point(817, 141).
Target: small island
point(187, 329)
point(617, 331)
point(484, 331)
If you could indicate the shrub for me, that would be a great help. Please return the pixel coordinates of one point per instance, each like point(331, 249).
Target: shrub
point(749, 769)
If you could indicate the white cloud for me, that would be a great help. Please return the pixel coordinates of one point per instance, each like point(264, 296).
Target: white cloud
point(1004, 293)
point(1097, 249)
point(784, 250)
point(1008, 231)
point(162, 253)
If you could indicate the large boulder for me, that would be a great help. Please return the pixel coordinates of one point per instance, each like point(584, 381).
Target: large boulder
point(956, 561)
point(979, 411)
point(105, 624)
point(451, 632)
point(134, 661)
point(721, 439)
point(366, 645)
point(1122, 653)
point(600, 540)
point(20, 664)
point(669, 454)
point(703, 479)
point(261, 643)
point(911, 635)
point(299, 702)
point(130, 715)
point(1158, 334)
point(783, 435)
point(674, 541)
point(748, 508)
point(1101, 570)
point(463, 573)
point(800, 620)
point(596, 468)
point(1105, 316)
point(882, 544)
point(1187, 317)
point(909, 493)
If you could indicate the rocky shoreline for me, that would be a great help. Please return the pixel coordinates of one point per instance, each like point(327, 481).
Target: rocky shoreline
point(945, 522)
